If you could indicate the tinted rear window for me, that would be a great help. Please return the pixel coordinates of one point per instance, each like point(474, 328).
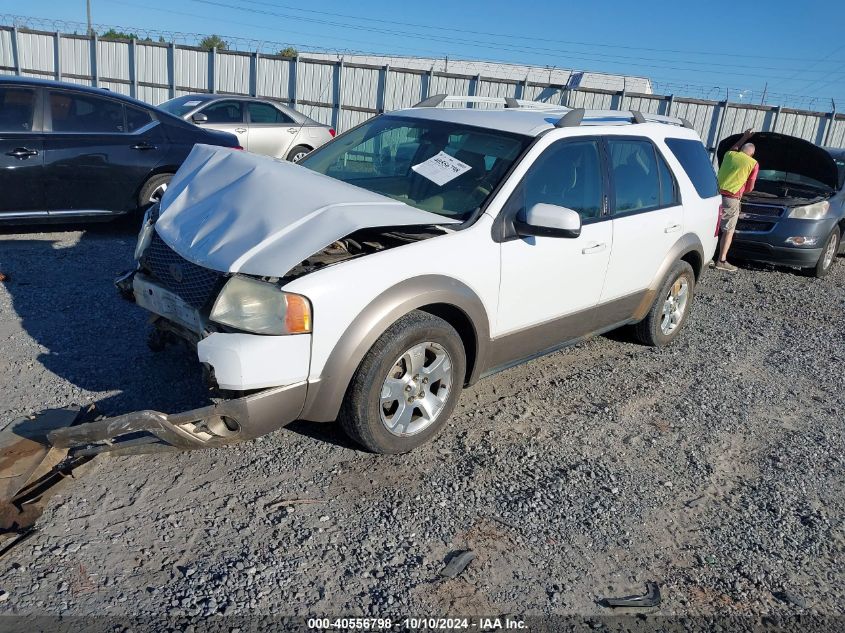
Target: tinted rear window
point(17, 106)
point(696, 162)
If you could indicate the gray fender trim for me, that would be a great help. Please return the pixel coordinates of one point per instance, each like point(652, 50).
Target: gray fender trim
point(325, 394)
point(688, 243)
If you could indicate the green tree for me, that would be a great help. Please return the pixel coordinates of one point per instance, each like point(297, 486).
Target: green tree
point(288, 51)
point(111, 34)
point(213, 41)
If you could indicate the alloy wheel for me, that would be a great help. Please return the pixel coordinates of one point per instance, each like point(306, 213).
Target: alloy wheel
point(675, 305)
point(829, 252)
point(298, 157)
point(416, 389)
point(157, 193)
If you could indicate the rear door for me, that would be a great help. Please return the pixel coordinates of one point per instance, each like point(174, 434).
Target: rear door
point(21, 152)
point(647, 214)
point(271, 131)
point(98, 152)
point(228, 116)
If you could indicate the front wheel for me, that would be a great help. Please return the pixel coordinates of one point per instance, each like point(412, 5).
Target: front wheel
point(406, 386)
point(298, 153)
point(669, 312)
point(828, 256)
point(153, 190)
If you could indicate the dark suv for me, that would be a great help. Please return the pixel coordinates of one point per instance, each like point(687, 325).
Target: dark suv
point(73, 152)
point(796, 214)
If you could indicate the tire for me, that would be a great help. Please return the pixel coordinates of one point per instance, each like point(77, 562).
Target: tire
point(828, 256)
point(298, 153)
point(654, 330)
point(364, 417)
point(153, 189)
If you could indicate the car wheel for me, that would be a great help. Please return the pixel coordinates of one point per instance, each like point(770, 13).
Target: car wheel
point(669, 312)
point(406, 386)
point(298, 153)
point(828, 256)
point(153, 190)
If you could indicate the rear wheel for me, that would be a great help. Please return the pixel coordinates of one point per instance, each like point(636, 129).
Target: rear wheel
point(828, 256)
point(298, 153)
point(407, 385)
point(153, 190)
point(669, 312)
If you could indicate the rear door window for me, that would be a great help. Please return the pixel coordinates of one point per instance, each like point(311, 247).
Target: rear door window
point(264, 113)
point(82, 113)
point(224, 112)
point(17, 108)
point(136, 118)
point(696, 163)
point(636, 182)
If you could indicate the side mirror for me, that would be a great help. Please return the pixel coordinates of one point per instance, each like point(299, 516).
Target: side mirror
point(199, 117)
point(549, 220)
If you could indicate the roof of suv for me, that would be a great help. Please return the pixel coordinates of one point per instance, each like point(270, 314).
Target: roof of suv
point(523, 117)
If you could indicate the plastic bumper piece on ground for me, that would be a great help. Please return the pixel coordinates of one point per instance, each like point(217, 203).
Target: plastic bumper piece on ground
point(228, 422)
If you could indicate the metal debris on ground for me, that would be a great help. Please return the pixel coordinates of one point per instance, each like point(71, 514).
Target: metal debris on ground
point(650, 599)
point(457, 563)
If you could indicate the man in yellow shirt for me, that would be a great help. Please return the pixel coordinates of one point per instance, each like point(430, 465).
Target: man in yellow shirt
point(737, 176)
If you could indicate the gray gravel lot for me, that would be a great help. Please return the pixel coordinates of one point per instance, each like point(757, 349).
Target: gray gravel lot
point(715, 467)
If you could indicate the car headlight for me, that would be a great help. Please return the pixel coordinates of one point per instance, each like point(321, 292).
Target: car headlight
point(146, 234)
point(810, 212)
point(261, 307)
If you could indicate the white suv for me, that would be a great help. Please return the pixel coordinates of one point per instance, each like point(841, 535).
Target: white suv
point(415, 254)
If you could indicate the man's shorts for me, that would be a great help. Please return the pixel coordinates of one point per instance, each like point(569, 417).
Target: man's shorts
point(730, 213)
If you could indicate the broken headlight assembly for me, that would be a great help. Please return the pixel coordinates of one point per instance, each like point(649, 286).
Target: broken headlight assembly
point(146, 234)
point(261, 307)
point(811, 211)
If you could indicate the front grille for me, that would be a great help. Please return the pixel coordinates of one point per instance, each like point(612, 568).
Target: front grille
point(762, 210)
point(751, 225)
point(196, 285)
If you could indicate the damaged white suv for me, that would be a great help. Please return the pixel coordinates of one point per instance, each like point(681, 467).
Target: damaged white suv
point(415, 254)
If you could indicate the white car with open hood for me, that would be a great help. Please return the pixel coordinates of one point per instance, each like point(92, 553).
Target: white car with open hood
point(415, 254)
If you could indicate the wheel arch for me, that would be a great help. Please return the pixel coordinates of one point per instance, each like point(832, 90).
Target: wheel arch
point(688, 248)
point(447, 298)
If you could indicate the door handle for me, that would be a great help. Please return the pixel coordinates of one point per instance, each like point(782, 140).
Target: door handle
point(594, 248)
point(142, 146)
point(22, 152)
point(293, 130)
point(240, 130)
point(672, 228)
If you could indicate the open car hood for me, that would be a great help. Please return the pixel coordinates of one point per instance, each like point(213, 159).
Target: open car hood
point(790, 154)
point(233, 211)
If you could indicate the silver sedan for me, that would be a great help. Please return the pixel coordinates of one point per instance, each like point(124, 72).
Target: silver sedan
point(263, 126)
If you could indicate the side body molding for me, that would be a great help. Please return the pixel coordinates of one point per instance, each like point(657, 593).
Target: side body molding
point(686, 244)
point(325, 395)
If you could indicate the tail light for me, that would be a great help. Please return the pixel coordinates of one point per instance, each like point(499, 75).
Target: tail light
point(719, 220)
point(332, 132)
point(238, 147)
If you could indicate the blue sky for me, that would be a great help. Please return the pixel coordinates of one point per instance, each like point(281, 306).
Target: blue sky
point(694, 48)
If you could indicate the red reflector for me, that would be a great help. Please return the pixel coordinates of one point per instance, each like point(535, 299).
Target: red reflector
point(332, 132)
point(719, 220)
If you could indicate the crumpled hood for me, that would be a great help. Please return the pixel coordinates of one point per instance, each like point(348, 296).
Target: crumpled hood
point(233, 211)
point(781, 152)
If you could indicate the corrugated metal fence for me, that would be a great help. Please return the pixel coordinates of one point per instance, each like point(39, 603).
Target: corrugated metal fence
point(344, 95)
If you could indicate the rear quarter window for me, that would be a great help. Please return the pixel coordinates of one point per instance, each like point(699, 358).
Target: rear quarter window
point(696, 163)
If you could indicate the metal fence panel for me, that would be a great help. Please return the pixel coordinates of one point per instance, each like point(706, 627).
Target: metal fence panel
point(232, 73)
point(76, 57)
point(315, 83)
point(151, 64)
point(7, 52)
point(403, 90)
point(274, 77)
point(360, 87)
point(113, 59)
point(810, 128)
point(191, 70)
point(36, 52)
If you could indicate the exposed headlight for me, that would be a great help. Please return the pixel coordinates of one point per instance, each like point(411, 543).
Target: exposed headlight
point(802, 240)
point(810, 212)
point(146, 234)
point(261, 307)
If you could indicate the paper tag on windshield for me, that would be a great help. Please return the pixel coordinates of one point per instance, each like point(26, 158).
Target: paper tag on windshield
point(189, 104)
point(441, 168)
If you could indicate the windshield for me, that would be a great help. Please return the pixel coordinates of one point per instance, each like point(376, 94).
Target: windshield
point(180, 106)
point(773, 175)
point(445, 168)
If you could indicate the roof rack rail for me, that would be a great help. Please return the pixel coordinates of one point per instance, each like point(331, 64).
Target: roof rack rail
point(637, 116)
point(432, 102)
point(509, 102)
point(572, 118)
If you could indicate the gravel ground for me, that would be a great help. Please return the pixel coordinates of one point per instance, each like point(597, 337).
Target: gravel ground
point(714, 467)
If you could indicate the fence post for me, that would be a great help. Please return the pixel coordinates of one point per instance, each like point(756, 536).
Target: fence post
point(339, 109)
point(381, 107)
point(254, 79)
point(524, 88)
point(776, 118)
point(670, 100)
point(57, 56)
point(172, 69)
point(722, 116)
point(16, 54)
point(212, 70)
point(831, 123)
point(133, 72)
point(295, 79)
point(428, 88)
point(95, 70)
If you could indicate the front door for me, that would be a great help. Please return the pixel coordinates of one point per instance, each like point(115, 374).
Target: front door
point(228, 116)
point(554, 282)
point(21, 153)
point(647, 215)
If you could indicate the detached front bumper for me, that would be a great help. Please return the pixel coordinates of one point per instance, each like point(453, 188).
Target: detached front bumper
point(228, 422)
